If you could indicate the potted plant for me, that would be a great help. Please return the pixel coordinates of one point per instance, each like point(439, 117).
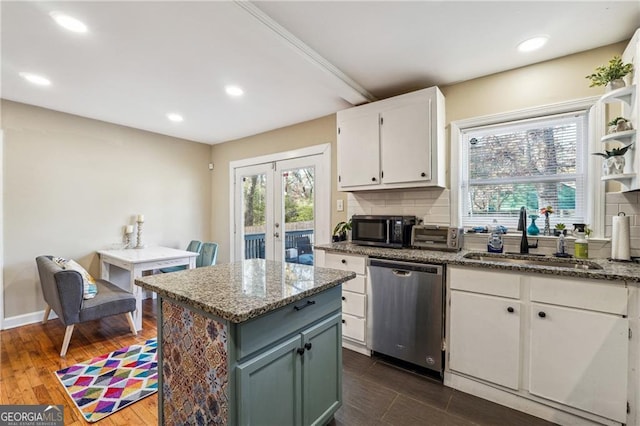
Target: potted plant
point(610, 75)
point(619, 124)
point(560, 228)
point(340, 231)
point(614, 160)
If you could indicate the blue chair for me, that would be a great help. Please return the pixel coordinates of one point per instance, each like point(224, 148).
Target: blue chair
point(194, 246)
point(305, 251)
point(208, 255)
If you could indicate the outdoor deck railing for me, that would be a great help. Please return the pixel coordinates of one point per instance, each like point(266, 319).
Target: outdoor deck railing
point(254, 243)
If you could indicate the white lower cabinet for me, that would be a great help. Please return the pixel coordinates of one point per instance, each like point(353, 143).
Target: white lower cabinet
point(560, 343)
point(496, 356)
point(580, 358)
point(354, 297)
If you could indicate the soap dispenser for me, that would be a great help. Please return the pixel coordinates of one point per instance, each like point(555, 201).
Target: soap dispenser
point(495, 244)
point(581, 246)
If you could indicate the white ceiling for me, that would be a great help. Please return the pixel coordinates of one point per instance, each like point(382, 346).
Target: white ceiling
point(296, 60)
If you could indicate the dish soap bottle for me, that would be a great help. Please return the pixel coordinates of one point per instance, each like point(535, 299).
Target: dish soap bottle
point(581, 246)
point(495, 245)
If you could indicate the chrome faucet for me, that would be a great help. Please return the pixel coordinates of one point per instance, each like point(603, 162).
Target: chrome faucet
point(522, 226)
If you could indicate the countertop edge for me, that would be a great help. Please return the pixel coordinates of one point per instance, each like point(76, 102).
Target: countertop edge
point(607, 273)
point(236, 317)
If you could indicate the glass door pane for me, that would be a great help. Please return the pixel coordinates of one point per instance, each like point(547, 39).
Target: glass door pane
point(254, 221)
point(297, 210)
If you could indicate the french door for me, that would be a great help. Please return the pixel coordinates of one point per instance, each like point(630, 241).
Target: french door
point(281, 209)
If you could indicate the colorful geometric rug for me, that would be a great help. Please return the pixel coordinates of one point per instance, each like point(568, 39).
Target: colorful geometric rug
point(103, 385)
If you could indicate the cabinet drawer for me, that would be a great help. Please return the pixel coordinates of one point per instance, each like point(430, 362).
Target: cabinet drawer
point(354, 303)
point(345, 262)
point(266, 329)
point(503, 284)
point(353, 327)
point(356, 285)
point(599, 296)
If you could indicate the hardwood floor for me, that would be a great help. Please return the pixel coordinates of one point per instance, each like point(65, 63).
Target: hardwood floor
point(374, 391)
point(30, 355)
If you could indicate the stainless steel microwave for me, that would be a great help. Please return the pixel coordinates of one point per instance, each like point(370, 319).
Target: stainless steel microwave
point(382, 230)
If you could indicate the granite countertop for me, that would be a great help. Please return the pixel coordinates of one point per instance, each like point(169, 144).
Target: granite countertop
point(243, 290)
point(612, 271)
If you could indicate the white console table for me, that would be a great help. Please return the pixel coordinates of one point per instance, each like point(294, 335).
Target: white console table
point(136, 261)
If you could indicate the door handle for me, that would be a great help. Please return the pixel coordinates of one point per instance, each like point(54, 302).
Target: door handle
point(276, 234)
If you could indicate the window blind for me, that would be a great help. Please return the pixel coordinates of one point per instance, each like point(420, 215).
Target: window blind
point(533, 163)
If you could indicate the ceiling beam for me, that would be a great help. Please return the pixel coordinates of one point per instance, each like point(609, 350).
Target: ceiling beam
point(348, 89)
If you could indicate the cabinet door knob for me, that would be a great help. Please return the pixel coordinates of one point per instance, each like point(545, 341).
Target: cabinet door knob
point(307, 346)
point(344, 322)
point(373, 179)
point(542, 314)
point(344, 260)
point(423, 174)
point(300, 351)
point(344, 298)
point(510, 309)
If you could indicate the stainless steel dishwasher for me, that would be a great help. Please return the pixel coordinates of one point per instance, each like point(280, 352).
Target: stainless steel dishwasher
point(406, 311)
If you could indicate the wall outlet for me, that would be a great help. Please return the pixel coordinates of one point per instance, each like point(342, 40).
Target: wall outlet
point(340, 205)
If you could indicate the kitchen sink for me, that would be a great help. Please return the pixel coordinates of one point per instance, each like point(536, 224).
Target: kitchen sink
point(535, 261)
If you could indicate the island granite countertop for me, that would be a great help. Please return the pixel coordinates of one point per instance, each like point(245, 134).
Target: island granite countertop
point(244, 290)
point(611, 271)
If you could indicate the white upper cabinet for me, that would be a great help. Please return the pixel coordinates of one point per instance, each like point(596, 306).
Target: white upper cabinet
point(393, 143)
point(359, 150)
point(406, 129)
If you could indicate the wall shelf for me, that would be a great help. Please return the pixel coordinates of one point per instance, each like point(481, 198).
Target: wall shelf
point(624, 178)
point(626, 136)
point(624, 94)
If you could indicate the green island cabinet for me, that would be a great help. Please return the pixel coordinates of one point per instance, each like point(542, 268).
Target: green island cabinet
point(249, 343)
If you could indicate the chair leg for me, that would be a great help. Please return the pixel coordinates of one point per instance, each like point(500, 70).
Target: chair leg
point(67, 338)
point(132, 325)
point(47, 311)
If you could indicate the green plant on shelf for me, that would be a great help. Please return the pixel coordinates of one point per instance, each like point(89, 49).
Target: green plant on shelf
point(614, 152)
point(614, 70)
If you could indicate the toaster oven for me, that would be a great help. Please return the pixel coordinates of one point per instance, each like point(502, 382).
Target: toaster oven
point(437, 237)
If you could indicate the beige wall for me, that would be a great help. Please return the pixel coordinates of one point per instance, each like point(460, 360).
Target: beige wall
point(71, 184)
point(314, 132)
point(545, 83)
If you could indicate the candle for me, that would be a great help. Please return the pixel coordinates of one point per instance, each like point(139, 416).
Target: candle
point(140, 218)
point(129, 229)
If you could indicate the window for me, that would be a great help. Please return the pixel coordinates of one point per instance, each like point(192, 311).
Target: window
point(533, 163)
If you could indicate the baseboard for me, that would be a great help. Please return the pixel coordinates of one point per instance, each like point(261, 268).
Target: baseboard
point(25, 319)
point(356, 347)
point(526, 405)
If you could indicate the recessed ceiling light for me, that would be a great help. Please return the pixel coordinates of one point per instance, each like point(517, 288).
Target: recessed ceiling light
point(533, 43)
point(68, 22)
point(35, 79)
point(234, 90)
point(175, 117)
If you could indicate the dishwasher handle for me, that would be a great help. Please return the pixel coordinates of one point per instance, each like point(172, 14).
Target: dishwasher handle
point(406, 267)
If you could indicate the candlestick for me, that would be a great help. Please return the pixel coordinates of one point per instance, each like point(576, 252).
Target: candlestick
point(139, 245)
point(128, 229)
point(140, 218)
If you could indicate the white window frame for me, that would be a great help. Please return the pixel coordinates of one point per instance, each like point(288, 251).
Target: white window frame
point(595, 187)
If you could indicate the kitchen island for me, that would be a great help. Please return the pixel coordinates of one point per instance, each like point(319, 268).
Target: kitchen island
point(252, 342)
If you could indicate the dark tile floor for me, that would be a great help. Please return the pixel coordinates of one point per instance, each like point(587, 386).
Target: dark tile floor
point(375, 392)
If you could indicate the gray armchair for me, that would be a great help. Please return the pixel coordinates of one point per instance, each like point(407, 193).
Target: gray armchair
point(63, 291)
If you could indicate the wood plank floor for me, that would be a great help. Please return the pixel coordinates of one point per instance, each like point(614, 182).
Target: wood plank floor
point(374, 391)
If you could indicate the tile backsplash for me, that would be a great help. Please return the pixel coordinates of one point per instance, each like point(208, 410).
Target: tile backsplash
point(629, 203)
point(432, 203)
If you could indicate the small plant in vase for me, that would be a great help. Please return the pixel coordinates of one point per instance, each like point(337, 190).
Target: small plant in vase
point(610, 75)
point(560, 228)
point(546, 211)
point(340, 231)
point(614, 160)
